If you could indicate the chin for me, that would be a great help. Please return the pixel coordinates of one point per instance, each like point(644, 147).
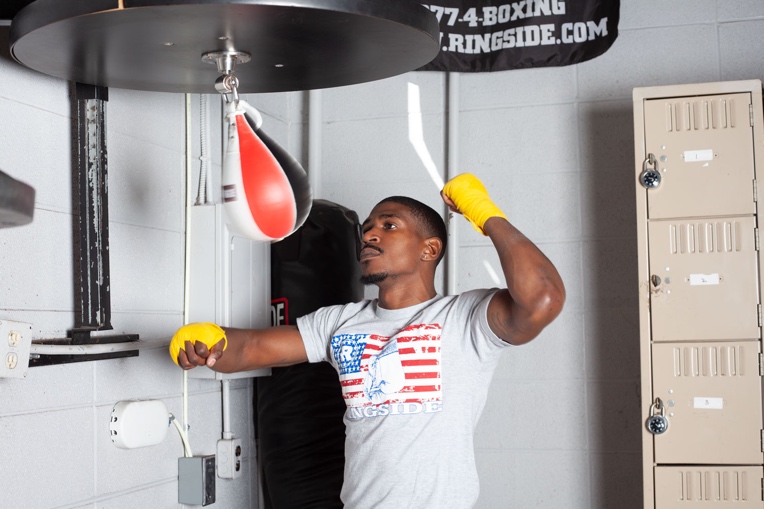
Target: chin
point(373, 279)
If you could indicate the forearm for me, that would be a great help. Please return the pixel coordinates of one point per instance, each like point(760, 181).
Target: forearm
point(535, 288)
point(250, 349)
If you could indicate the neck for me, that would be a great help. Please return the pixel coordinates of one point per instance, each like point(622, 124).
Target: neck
point(401, 296)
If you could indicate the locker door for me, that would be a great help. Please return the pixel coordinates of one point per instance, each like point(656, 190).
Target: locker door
point(704, 149)
point(712, 393)
point(708, 487)
point(704, 279)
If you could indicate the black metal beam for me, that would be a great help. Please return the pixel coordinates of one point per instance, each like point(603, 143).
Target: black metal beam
point(91, 233)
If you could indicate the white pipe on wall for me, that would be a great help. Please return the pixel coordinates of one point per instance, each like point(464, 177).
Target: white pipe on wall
point(452, 169)
point(315, 122)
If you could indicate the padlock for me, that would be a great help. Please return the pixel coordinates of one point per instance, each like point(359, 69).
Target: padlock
point(657, 424)
point(650, 177)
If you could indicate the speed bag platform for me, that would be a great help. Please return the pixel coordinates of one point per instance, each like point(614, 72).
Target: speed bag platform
point(300, 408)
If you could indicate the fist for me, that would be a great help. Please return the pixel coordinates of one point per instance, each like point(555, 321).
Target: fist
point(468, 196)
point(198, 344)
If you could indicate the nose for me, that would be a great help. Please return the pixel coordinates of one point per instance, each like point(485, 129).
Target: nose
point(371, 235)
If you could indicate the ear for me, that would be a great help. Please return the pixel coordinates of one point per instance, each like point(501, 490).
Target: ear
point(432, 249)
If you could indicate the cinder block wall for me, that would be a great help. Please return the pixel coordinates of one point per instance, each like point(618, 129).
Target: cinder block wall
point(561, 429)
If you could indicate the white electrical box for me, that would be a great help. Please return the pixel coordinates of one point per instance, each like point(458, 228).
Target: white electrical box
point(229, 283)
point(15, 343)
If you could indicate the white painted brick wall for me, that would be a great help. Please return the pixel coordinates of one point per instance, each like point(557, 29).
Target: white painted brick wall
point(561, 427)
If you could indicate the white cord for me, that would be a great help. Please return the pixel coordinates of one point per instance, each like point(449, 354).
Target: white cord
point(183, 437)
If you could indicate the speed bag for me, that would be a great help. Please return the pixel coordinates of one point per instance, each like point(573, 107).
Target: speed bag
point(300, 408)
point(266, 193)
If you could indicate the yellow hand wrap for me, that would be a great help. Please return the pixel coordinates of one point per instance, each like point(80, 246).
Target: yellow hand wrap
point(208, 333)
point(472, 200)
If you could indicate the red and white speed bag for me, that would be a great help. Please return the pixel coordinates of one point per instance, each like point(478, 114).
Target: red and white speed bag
point(266, 193)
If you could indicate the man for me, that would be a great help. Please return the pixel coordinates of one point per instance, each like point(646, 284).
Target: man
point(414, 366)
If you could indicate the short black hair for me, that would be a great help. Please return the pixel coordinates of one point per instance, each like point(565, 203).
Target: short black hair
point(429, 222)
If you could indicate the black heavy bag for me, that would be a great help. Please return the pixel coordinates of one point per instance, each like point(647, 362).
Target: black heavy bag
point(300, 408)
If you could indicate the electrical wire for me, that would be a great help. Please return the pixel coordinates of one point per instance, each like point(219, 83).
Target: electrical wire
point(183, 437)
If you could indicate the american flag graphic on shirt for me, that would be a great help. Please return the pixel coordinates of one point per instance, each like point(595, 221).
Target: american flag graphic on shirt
point(388, 375)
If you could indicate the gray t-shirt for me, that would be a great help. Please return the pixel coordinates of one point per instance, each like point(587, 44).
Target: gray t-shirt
point(415, 381)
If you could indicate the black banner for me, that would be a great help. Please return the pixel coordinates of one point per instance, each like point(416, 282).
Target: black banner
point(491, 35)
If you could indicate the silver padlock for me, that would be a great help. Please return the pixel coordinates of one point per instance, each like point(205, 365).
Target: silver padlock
point(657, 423)
point(650, 177)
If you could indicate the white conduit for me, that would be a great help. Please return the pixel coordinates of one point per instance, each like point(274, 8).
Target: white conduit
point(187, 266)
point(315, 121)
point(452, 169)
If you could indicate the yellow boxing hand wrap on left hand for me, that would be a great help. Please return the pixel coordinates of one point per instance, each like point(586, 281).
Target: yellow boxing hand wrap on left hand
point(208, 333)
point(472, 200)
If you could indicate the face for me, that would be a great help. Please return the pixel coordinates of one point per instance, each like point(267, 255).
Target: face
point(392, 244)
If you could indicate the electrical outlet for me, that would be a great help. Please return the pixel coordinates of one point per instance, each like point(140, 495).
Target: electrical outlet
point(229, 458)
point(15, 344)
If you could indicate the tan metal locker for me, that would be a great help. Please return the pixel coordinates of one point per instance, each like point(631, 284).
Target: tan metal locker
point(697, 150)
point(706, 487)
point(713, 403)
point(704, 152)
point(703, 282)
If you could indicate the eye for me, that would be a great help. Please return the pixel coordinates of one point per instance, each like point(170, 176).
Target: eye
point(390, 226)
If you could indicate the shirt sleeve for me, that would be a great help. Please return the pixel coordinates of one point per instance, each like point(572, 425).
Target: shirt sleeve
point(484, 340)
point(316, 330)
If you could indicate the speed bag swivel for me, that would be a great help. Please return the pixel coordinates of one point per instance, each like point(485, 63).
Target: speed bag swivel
point(266, 193)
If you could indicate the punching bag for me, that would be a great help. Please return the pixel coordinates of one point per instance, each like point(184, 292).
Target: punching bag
point(300, 408)
point(266, 193)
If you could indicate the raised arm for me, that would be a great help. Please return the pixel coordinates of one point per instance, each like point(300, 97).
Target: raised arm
point(232, 350)
point(535, 292)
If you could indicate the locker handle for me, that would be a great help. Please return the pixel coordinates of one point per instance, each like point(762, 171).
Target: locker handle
point(650, 178)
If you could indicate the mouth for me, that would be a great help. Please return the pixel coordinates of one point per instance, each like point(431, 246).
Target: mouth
point(369, 252)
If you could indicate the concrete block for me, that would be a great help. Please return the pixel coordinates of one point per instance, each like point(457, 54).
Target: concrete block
point(518, 87)
point(537, 414)
point(651, 57)
point(736, 40)
point(64, 438)
point(614, 415)
point(612, 343)
point(519, 141)
point(540, 479)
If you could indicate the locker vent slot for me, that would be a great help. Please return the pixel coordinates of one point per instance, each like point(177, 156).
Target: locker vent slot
point(708, 361)
point(713, 486)
point(706, 113)
point(705, 237)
